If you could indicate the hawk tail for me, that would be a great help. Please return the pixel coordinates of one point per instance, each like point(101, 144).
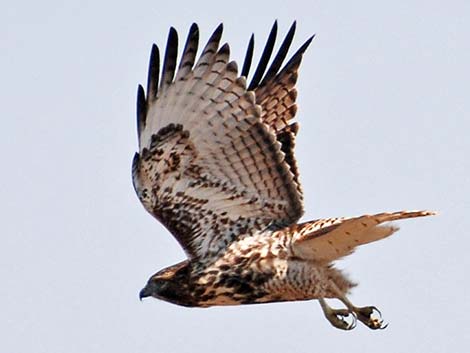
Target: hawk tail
point(327, 240)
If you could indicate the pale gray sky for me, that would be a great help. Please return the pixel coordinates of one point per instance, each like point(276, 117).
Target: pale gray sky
point(384, 114)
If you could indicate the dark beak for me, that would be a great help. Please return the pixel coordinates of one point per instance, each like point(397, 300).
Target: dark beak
point(144, 293)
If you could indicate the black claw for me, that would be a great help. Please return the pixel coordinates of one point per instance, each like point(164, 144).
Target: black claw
point(366, 316)
point(339, 320)
point(378, 311)
point(376, 325)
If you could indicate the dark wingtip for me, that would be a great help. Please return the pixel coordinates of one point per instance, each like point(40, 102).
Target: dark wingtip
point(293, 26)
point(265, 56)
point(274, 30)
point(153, 73)
point(194, 28)
point(193, 31)
point(297, 57)
point(308, 41)
point(216, 35)
point(172, 37)
point(169, 63)
point(141, 109)
point(140, 91)
point(218, 31)
point(225, 49)
point(281, 55)
point(172, 31)
point(248, 57)
point(304, 46)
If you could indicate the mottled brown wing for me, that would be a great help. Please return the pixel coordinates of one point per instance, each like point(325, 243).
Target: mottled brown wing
point(275, 91)
point(208, 168)
point(326, 240)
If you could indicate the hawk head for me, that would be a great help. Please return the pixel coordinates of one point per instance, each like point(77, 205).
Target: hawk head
point(170, 284)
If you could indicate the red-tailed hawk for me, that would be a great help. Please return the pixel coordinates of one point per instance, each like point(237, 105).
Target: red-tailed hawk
point(216, 166)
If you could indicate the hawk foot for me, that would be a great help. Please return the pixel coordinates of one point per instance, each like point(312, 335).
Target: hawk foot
point(341, 318)
point(371, 317)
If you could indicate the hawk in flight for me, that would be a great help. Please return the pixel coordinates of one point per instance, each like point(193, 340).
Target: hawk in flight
point(216, 167)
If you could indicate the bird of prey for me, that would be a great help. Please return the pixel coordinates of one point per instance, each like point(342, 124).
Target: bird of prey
point(216, 166)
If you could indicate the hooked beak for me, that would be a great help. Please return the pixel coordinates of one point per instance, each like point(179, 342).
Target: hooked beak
point(145, 292)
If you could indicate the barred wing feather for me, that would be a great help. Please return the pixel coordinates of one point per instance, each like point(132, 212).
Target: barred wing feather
point(208, 167)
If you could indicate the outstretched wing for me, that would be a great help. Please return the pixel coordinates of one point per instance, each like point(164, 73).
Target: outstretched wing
point(208, 167)
point(326, 240)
